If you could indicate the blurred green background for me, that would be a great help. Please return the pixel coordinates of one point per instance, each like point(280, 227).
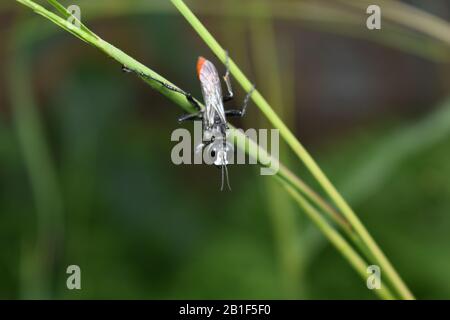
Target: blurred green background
point(86, 176)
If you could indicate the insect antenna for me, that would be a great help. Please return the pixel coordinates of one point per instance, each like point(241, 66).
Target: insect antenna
point(224, 168)
point(221, 185)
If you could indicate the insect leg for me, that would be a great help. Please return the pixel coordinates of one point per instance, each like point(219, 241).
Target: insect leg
point(229, 96)
point(191, 116)
point(243, 110)
point(188, 96)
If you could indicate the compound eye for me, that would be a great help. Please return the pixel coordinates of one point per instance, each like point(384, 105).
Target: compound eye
point(213, 153)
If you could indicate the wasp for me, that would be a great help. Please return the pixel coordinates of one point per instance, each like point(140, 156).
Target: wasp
point(213, 116)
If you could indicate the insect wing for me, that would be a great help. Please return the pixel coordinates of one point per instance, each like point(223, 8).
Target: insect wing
point(212, 92)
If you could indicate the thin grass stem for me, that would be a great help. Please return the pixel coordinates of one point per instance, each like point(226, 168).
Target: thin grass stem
point(301, 152)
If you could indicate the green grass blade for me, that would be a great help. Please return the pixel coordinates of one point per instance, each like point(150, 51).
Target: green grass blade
point(289, 180)
point(301, 152)
point(66, 14)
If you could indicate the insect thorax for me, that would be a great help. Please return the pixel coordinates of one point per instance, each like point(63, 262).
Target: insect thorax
point(216, 144)
point(216, 131)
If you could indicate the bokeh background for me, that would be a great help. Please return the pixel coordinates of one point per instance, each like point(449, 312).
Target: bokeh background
point(86, 176)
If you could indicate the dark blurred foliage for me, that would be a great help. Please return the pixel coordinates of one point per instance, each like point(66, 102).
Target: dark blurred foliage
point(374, 116)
